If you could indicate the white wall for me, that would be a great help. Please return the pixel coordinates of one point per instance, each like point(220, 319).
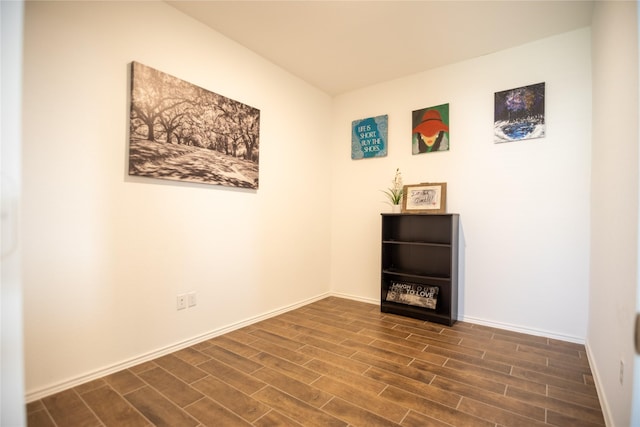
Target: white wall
point(524, 206)
point(614, 207)
point(12, 409)
point(104, 254)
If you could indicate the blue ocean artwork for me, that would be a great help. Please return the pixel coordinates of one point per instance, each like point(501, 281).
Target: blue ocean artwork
point(519, 113)
point(369, 137)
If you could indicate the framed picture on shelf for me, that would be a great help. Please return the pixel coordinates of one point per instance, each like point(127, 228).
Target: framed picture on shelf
point(425, 198)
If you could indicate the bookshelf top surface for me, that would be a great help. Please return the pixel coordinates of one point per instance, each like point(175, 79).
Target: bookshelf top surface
point(418, 214)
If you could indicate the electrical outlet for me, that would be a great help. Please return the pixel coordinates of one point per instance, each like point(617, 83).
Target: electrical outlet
point(181, 302)
point(191, 299)
point(621, 371)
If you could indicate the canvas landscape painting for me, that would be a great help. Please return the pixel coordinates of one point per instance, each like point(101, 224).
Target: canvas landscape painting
point(180, 131)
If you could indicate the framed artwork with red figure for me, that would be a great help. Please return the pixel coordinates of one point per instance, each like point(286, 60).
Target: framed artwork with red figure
point(430, 129)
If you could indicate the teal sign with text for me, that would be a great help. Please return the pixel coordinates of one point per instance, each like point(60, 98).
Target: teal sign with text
point(369, 137)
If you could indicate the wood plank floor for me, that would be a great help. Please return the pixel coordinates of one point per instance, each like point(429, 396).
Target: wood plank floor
point(338, 362)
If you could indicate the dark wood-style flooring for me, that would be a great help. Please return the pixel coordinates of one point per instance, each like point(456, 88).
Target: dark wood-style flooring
point(338, 362)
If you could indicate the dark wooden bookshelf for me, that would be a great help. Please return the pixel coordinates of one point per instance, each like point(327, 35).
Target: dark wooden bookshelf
point(421, 250)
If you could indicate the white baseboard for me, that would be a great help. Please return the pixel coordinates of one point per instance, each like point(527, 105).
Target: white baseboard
point(483, 322)
point(99, 373)
point(356, 298)
point(606, 410)
point(523, 330)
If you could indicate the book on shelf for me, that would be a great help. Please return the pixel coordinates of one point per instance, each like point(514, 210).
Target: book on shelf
point(413, 294)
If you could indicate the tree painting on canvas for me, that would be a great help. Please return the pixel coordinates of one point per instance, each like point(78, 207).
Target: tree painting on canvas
point(179, 131)
point(519, 113)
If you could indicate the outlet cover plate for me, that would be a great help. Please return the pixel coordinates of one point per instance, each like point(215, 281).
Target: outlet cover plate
point(181, 302)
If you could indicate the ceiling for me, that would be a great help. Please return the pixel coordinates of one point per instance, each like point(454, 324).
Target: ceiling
point(340, 46)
